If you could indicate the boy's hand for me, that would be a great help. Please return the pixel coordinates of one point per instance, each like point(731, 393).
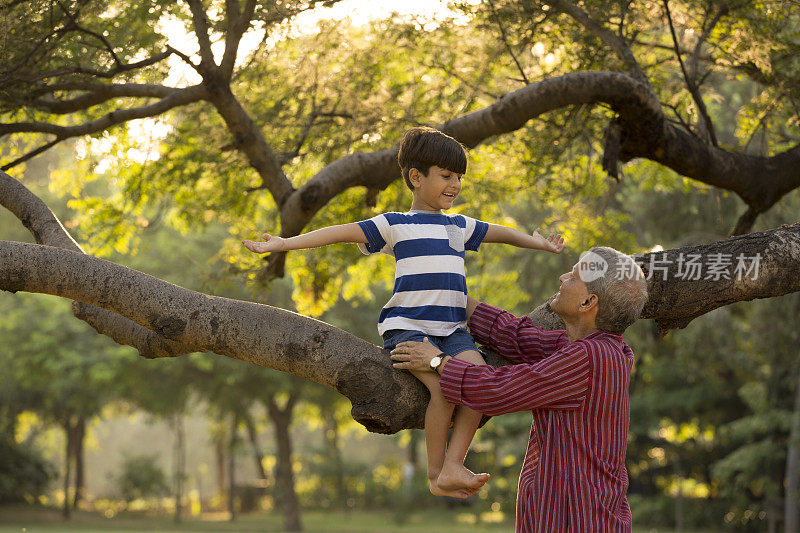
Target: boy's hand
point(271, 243)
point(553, 243)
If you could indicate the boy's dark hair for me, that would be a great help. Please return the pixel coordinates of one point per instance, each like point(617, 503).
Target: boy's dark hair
point(425, 147)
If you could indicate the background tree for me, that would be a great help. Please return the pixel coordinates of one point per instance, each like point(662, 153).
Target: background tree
point(65, 373)
point(639, 114)
point(554, 99)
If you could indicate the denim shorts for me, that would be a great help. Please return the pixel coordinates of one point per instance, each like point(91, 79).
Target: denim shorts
point(453, 344)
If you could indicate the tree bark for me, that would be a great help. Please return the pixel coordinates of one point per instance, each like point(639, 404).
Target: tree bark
point(383, 400)
point(285, 496)
point(674, 301)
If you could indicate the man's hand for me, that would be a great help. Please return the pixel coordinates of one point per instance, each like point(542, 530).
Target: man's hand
point(553, 243)
point(415, 355)
point(271, 243)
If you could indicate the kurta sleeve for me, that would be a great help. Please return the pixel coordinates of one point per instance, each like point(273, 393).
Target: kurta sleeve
point(560, 381)
point(515, 338)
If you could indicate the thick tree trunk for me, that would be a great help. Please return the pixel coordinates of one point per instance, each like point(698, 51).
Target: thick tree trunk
point(285, 496)
point(384, 401)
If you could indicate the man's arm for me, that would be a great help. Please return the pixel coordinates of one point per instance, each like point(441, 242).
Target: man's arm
point(515, 338)
point(557, 382)
point(313, 239)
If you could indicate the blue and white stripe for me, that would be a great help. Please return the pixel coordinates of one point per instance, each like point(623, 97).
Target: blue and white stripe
point(430, 289)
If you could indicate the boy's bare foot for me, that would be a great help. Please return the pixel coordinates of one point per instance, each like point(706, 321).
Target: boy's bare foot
point(460, 478)
point(456, 493)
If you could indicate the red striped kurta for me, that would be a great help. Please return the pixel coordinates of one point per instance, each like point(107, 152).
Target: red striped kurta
point(573, 477)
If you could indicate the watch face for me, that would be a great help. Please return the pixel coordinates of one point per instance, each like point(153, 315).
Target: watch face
point(435, 362)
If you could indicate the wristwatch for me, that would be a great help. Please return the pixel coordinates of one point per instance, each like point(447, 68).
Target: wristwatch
point(437, 361)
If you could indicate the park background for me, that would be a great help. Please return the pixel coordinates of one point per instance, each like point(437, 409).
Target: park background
point(92, 431)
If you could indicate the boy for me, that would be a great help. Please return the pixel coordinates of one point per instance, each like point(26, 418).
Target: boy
point(430, 292)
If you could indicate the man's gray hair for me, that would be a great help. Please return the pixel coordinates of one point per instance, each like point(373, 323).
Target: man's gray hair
point(621, 291)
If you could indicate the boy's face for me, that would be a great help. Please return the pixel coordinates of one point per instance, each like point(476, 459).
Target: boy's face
point(435, 191)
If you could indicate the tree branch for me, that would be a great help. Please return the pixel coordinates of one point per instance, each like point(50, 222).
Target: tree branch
point(200, 23)
point(674, 301)
point(646, 134)
point(30, 155)
point(96, 35)
point(237, 26)
point(40, 43)
point(723, 10)
point(617, 44)
point(509, 113)
point(745, 222)
point(108, 74)
point(505, 41)
point(48, 230)
point(97, 93)
point(384, 400)
point(177, 98)
point(249, 139)
point(690, 84)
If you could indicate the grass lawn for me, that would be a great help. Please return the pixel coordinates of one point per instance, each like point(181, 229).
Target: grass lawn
point(34, 520)
point(23, 519)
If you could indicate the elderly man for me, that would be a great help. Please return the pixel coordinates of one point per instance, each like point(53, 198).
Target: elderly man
point(574, 381)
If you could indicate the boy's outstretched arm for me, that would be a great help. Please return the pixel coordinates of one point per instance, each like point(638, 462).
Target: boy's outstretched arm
point(321, 237)
point(506, 235)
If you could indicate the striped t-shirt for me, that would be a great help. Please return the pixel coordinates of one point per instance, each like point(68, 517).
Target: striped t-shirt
point(430, 286)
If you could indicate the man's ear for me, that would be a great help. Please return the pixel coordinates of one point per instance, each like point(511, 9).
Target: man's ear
point(589, 302)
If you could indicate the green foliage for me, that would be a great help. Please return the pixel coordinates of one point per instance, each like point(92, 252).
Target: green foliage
point(709, 403)
point(141, 477)
point(24, 474)
point(56, 365)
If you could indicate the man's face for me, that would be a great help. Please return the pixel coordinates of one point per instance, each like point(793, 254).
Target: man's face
point(571, 294)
